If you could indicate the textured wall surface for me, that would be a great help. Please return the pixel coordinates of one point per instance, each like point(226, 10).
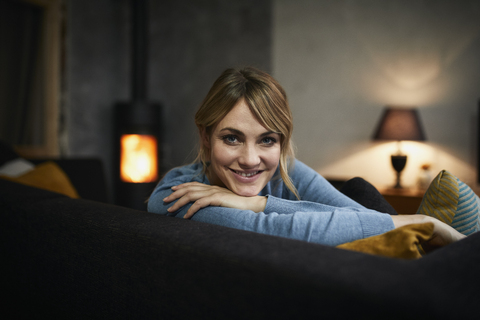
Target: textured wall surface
point(191, 43)
point(342, 61)
point(97, 75)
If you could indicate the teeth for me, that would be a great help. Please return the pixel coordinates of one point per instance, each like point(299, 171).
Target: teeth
point(247, 174)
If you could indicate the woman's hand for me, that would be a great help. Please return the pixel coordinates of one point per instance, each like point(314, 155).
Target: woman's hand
point(204, 195)
point(443, 234)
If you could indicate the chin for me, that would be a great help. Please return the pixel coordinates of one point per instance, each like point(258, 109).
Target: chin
point(246, 192)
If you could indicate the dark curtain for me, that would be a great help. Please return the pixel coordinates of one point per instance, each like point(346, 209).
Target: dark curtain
point(21, 73)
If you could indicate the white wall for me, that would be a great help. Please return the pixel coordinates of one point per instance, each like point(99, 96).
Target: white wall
point(342, 61)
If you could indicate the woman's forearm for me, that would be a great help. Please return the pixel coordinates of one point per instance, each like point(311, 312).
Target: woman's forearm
point(443, 234)
point(403, 220)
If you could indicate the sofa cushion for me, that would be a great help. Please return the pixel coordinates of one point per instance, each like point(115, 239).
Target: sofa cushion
point(401, 243)
point(47, 176)
point(6, 153)
point(16, 167)
point(86, 174)
point(453, 202)
point(367, 195)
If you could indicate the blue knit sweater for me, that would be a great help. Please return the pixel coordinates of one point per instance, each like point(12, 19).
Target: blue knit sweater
point(323, 215)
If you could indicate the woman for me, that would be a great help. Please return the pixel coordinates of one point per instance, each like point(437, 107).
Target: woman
point(246, 176)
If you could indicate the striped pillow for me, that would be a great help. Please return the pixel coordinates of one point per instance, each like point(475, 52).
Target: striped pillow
point(453, 202)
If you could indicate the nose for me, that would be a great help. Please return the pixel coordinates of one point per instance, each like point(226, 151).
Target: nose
point(250, 157)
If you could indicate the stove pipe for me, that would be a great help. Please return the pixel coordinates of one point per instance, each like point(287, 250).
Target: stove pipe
point(139, 48)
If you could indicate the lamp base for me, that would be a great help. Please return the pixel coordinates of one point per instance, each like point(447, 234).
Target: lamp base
point(398, 163)
point(398, 185)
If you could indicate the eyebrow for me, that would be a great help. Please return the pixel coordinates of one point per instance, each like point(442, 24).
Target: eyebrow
point(240, 133)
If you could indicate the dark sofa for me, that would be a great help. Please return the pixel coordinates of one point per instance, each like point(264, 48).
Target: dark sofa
point(81, 259)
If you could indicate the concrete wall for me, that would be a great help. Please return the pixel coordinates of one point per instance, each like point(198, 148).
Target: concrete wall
point(342, 61)
point(191, 43)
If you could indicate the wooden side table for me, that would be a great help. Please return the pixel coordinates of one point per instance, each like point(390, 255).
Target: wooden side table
point(404, 201)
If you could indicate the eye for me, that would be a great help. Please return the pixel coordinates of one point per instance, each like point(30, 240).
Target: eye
point(230, 139)
point(269, 141)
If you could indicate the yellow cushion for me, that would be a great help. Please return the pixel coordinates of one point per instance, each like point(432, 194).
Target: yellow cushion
point(401, 243)
point(48, 176)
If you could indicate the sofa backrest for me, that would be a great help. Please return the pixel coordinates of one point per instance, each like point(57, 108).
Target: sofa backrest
point(71, 258)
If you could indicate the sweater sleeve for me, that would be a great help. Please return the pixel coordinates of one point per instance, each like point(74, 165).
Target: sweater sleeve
point(333, 226)
point(315, 188)
point(301, 220)
point(323, 224)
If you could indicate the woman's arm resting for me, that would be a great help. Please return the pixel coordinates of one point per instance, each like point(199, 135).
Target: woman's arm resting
point(203, 195)
point(443, 234)
point(330, 226)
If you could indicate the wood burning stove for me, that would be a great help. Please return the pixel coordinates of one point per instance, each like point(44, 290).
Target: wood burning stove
point(137, 126)
point(137, 136)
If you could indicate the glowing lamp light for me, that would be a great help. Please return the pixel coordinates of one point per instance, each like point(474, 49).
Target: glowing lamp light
point(138, 158)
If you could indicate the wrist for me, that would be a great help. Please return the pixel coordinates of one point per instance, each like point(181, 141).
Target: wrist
point(259, 203)
point(403, 220)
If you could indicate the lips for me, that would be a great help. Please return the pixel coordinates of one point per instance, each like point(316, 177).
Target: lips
point(247, 174)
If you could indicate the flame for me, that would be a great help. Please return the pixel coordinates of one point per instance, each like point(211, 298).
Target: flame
point(138, 158)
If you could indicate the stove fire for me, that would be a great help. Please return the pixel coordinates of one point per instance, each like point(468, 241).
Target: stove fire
point(138, 158)
point(137, 152)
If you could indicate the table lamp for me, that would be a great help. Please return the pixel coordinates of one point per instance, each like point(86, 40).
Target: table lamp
point(399, 124)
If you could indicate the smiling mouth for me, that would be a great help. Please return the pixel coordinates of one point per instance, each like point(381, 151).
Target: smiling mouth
point(246, 174)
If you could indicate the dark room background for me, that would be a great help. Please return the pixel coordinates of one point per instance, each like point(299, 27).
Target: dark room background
point(191, 43)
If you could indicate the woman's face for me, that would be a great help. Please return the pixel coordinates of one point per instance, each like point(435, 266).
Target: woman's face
point(243, 154)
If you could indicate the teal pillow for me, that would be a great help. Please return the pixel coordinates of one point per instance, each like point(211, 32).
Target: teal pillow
point(453, 202)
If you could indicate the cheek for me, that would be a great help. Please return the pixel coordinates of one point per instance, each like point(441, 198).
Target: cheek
point(220, 155)
point(274, 158)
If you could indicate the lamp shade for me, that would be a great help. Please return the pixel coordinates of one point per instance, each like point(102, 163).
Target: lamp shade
point(399, 124)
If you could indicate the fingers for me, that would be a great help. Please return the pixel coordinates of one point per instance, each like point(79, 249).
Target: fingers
point(185, 198)
point(202, 202)
point(200, 195)
point(197, 205)
point(191, 185)
point(180, 190)
point(443, 235)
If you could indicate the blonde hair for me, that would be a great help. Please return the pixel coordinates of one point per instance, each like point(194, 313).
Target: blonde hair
point(267, 101)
